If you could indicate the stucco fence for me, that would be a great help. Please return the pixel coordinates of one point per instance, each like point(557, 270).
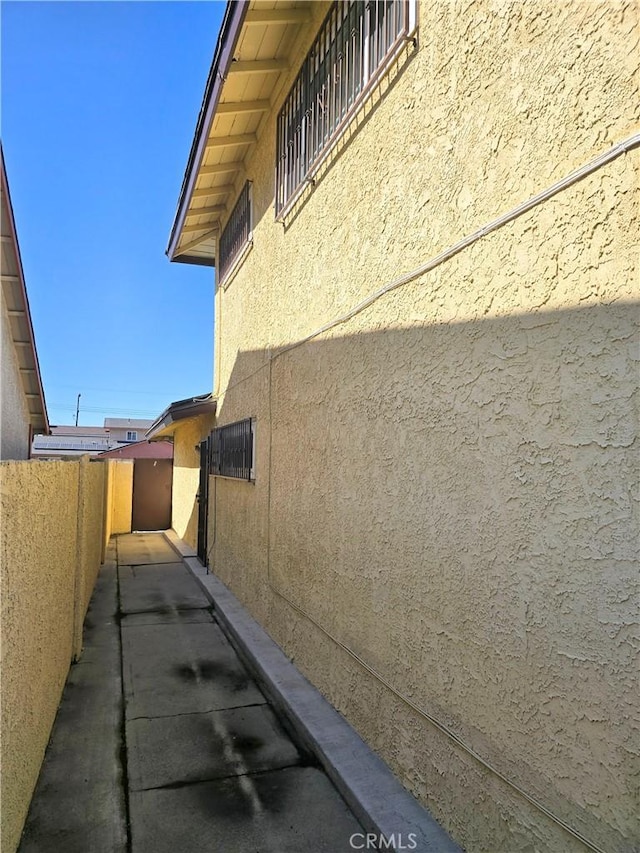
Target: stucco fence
point(56, 521)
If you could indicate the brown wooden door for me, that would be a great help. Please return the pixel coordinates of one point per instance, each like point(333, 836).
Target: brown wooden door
point(152, 480)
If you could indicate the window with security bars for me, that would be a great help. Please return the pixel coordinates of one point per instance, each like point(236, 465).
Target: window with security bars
point(236, 233)
point(232, 450)
point(354, 46)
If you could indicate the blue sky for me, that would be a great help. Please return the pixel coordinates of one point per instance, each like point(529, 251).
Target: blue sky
point(99, 106)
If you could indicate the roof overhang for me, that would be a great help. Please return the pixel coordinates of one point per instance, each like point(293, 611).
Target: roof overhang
point(140, 450)
point(178, 412)
point(251, 60)
point(14, 293)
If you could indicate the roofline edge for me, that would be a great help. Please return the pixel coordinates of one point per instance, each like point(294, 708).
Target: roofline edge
point(227, 40)
point(25, 296)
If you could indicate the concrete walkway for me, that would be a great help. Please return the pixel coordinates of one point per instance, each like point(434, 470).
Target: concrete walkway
point(163, 742)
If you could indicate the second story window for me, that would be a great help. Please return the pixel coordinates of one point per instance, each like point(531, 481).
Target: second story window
point(356, 43)
point(236, 234)
point(132, 435)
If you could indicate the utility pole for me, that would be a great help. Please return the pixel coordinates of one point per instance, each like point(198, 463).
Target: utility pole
point(78, 408)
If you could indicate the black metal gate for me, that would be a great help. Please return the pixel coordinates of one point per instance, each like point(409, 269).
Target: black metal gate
point(203, 502)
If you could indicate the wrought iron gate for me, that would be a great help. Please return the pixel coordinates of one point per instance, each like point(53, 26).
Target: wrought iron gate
point(203, 502)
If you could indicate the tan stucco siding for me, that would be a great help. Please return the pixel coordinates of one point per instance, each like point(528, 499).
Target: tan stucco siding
point(121, 496)
point(445, 483)
point(51, 547)
point(14, 412)
point(455, 143)
point(108, 502)
point(186, 473)
point(90, 536)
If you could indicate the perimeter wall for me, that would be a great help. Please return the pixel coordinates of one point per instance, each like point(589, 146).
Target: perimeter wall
point(54, 517)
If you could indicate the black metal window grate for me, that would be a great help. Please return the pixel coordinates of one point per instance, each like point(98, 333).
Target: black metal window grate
point(236, 233)
point(232, 450)
point(353, 46)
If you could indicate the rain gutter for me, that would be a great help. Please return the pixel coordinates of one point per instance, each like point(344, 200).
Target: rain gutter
point(180, 410)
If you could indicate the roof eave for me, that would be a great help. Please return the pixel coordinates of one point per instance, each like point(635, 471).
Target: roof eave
point(179, 411)
point(38, 420)
point(227, 40)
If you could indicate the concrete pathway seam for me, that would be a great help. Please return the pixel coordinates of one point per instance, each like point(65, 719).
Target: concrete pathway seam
point(375, 796)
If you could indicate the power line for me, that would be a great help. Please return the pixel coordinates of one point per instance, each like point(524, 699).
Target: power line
point(162, 393)
point(105, 409)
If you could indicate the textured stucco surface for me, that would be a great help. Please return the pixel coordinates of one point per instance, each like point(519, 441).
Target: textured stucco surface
point(121, 495)
point(90, 533)
point(186, 473)
point(109, 466)
point(51, 536)
point(447, 484)
point(14, 413)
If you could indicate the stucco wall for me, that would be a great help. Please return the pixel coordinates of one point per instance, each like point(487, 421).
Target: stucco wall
point(186, 473)
point(14, 414)
point(51, 540)
point(121, 495)
point(445, 484)
point(90, 537)
point(109, 466)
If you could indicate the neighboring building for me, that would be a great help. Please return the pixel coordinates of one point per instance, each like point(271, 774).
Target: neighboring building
point(140, 450)
point(423, 219)
point(23, 410)
point(126, 430)
point(72, 441)
point(188, 423)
